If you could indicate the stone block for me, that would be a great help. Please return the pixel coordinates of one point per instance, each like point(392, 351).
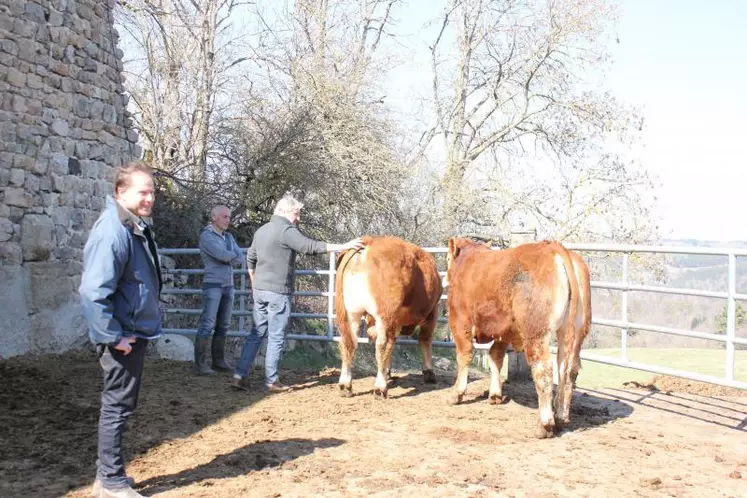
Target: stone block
point(18, 197)
point(9, 46)
point(36, 12)
point(58, 164)
point(34, 81)
point(36, 237)
point(32, 183)
point(18, 104)
point(59, 127)
point(10, 254)
point(15, 77)
point(24, 28)
point(22, 161)
point(17, 177)
point(58, 182)
point(14, 314)
point(6, 229)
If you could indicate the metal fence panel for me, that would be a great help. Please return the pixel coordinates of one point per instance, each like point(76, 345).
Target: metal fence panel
point(622, 324)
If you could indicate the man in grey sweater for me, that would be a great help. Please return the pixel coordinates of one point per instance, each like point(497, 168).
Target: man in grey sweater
point(219, 253)
point(271, 262)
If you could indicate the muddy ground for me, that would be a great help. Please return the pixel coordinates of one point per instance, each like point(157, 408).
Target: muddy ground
point(194, 436)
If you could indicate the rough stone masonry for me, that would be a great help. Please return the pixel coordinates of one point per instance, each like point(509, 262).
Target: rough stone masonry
point(63, 129)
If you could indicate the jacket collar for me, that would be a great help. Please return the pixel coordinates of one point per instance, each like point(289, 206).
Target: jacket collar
point(209, 227)
point(280, 219)
point(126, 216)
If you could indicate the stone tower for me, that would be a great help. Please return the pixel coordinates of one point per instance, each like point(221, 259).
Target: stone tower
point(63, 130)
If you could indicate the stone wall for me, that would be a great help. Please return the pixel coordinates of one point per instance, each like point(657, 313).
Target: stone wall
point(63, 128)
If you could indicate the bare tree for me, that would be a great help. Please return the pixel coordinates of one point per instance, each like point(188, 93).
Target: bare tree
point(180, 56)
point(508, 79)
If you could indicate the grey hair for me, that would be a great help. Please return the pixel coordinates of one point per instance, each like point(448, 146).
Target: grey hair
point(216, 209)
point(288, 205)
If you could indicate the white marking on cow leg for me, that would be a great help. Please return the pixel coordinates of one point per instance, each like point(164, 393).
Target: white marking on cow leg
point(495, 360)
point(460, 386)
point(383, 359)
point(496, 390)
point(348, 346)
point(542, 375)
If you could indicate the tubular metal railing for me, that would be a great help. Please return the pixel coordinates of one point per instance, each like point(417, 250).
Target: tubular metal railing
point(623, 323)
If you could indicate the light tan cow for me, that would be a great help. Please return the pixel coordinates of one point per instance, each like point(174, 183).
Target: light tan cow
point(395, 285)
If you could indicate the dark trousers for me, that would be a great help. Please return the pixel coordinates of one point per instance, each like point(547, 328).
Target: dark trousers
point(118, 400)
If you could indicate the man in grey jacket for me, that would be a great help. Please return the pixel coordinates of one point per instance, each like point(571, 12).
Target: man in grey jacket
point(219, 253)
point(271, 262)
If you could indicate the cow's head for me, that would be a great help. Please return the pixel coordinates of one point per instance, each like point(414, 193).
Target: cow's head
point(457, 245)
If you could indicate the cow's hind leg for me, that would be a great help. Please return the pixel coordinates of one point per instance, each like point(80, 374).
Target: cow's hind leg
point(540, 359)
point(496, 354)
point(569, 363)
point(425, 340)
point(566, 363)
point(463, 343)
point(384, 345)
point(348, 345)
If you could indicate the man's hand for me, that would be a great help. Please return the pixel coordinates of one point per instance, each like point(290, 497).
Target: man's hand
point(124, 344)
point(354, 244)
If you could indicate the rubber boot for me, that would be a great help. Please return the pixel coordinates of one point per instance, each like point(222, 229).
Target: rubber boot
point(202, 355)
point(218, 349)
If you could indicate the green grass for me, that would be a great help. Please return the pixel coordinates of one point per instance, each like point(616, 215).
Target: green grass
point(712, 362)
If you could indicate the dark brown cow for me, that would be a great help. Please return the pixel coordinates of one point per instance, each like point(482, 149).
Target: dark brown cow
point(520, 296)
point(396, 287)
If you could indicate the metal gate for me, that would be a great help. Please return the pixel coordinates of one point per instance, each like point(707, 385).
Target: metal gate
point(623, 324)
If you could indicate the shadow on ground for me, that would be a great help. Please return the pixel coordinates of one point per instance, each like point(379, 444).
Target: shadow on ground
point(49, 408)
point(239, 462)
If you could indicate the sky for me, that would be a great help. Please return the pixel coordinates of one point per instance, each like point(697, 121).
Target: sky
point(683, 63)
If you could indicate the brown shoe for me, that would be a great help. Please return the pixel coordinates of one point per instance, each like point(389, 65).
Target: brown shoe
point(241, 384)
point(277, 387)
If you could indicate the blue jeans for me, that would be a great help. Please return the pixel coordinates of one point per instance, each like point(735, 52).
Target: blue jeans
point(271, 314)
point(217, 306)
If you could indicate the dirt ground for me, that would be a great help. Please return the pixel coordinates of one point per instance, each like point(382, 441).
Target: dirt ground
point(194, 436)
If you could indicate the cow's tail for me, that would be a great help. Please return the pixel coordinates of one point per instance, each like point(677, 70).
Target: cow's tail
point(342, 314)
point(573, 304)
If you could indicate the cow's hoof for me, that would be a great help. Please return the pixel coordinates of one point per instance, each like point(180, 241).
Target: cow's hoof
point(561, 423)
point(429, 377)
point(494, 399)
point(545, 432)
point(380, 393)
point(346, 391)
point(454, 399)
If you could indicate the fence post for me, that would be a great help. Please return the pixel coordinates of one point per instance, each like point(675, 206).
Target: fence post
point(330, 296)
point(624, 311)
point(731, 317)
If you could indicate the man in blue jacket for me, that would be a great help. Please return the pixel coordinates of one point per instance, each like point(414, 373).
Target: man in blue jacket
point(271, 262)
point(119, 292)
point(219, 253)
